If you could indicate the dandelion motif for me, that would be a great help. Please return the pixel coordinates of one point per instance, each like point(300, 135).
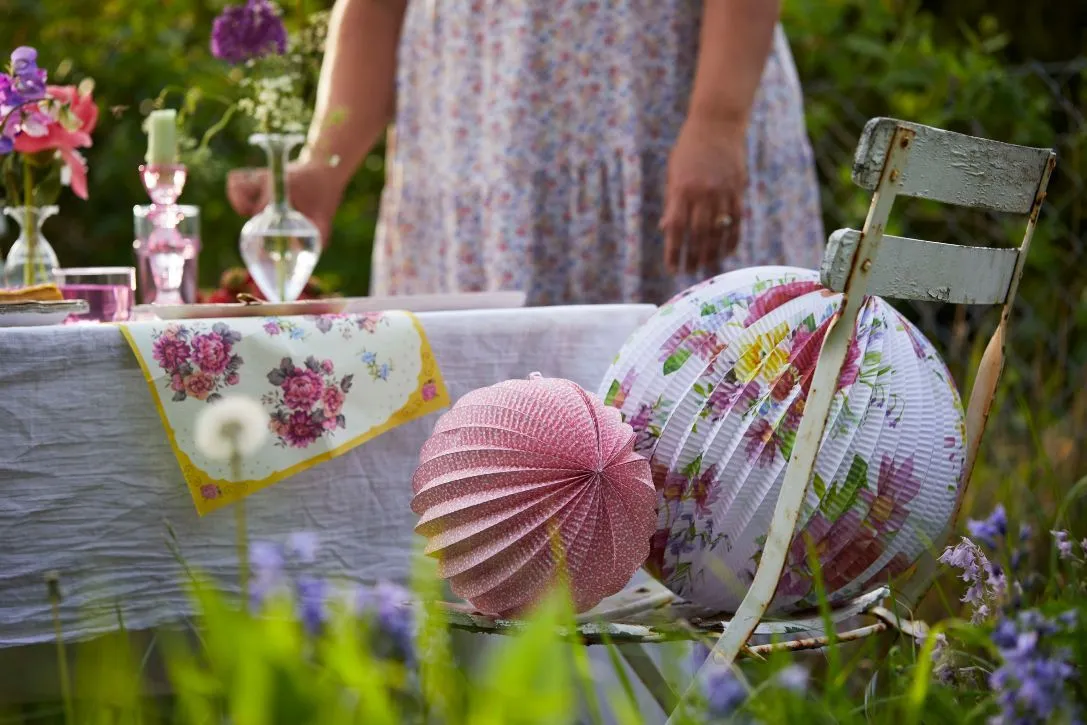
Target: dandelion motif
point(233, 426)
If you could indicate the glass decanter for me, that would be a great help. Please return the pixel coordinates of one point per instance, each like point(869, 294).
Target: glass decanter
point(280, 246)
point(31, 259)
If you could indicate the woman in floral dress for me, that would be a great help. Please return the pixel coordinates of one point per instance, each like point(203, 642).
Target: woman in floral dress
point(584, 151)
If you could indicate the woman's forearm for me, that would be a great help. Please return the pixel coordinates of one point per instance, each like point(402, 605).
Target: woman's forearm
point(735, 41)
point(356, 97)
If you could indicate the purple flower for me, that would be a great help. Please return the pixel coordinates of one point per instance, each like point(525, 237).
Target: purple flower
point(303, 546)
point(388, 606)
point(793, 678)
point(27, 79)
point(312, 594)
point(1064, 544)
point(246, 32)
point(1030, 684)
point(267, 572)
point(724, 694)
point(991, 531)
point(987, 582)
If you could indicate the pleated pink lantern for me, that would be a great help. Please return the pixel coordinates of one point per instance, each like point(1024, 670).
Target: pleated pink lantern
point(510, 466)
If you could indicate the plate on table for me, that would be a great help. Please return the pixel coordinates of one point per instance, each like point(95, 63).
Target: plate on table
point(38, 314)
point(336, 305)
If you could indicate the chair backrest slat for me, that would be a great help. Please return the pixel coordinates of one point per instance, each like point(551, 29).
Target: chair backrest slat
point(954, 169)
point(914, 269)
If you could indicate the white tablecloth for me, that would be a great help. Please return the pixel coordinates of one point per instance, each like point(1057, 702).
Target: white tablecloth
point(88, 481)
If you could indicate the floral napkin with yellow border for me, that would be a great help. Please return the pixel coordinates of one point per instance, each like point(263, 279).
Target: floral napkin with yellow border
point(327, 384)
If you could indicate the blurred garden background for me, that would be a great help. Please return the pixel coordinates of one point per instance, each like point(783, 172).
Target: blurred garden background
point(1003, 69)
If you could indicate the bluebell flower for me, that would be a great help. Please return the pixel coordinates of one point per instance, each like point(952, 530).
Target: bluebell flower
point(1063, 543)
point(303, 546)
point(1030, 684)
point(987, 581)
point(388, 606)
point(724, 694)
point(793, 678)
point(312, 595)
point(369, 358)
point(267, 572)
point(383, 371)
point(991, 531)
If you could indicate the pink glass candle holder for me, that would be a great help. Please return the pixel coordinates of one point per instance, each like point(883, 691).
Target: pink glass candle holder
point(165, 246)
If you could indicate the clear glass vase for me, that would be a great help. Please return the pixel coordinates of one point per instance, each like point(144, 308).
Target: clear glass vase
point(31, 260)
point(280, 246)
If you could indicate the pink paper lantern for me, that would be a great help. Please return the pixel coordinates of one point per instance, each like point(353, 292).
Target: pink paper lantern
point(512, 464)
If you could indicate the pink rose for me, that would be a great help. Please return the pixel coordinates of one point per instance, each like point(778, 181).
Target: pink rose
point(177, 383)
point(232, 379)
point(302, 389)
point(300, 429)
point(326, 367)
point(209, 491)
point(211, 353)
point(430, 391)
point(171, 352)
point(200, 385)
point(333, 400)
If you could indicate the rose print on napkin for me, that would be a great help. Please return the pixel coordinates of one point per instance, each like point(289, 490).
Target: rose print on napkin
point(200, 364)
point(307, 403)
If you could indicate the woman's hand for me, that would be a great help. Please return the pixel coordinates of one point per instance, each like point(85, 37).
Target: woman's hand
point(707, 177)
point(314, 189)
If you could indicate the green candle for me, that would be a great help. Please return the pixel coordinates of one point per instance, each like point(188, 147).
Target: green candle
point(162, 137)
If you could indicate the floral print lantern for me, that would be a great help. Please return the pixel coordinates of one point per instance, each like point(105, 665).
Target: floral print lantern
point(526, 474)
point(714, 386)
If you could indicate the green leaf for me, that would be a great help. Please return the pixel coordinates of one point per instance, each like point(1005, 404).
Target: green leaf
point(787, 441)
point(841, 499)
point(694, 468)
point(708, 309)
point(675, 361)
point(612, 392)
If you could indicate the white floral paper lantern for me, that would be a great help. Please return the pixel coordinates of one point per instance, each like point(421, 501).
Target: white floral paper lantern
point(714, 386)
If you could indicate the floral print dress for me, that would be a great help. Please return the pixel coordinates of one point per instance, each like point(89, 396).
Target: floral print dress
point(531, 149)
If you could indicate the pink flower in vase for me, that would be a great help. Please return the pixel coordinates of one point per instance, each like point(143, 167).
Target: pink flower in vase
point(211, 353)
point(430, 391)
point(332, 398)
point(70, 130)
point(302, 389)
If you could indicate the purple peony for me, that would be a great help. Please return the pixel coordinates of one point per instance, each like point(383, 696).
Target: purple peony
point(246, 32)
